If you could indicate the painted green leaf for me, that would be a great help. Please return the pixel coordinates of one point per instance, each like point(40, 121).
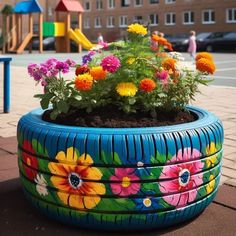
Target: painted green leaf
point(117, 159)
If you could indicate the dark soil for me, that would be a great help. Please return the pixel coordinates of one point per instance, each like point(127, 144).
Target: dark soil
point(111, 117)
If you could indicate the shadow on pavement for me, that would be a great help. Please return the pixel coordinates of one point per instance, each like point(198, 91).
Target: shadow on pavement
point(18, 217)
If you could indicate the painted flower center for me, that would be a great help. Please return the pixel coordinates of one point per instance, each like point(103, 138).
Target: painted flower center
point(184, 177)
point(147, 202)
point(125, 182)
point(74, 180)
point(28, 161)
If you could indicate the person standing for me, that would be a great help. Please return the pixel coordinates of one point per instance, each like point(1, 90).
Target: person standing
point(192, 45)
point(100, 38)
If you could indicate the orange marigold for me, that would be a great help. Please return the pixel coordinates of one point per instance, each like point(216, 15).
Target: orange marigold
point(162, 54)
point(98, 73)
point(205, 55)
point(169, 64)
point(84, 82)
point(205, 65)
point(147, 85)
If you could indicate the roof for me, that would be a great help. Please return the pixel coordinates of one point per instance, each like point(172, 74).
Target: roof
point(30, 6)
point(69, 6)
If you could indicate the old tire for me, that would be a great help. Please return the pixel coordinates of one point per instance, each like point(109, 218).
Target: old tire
point(134, 178)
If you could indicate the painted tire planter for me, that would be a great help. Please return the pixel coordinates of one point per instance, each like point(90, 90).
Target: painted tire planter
point(133, 178)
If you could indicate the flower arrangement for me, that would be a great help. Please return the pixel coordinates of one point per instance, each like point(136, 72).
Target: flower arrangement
point(136, 76)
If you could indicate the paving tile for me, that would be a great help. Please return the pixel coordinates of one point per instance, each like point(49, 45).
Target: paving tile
point(231, 182)
point(231, 173)
point(229, 163)
point(9, 174)
point(224, 179)
point(8, 161)
point(230, 192)
point(9, 144)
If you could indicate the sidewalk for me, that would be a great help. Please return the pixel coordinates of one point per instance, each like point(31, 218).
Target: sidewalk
point(218, 218)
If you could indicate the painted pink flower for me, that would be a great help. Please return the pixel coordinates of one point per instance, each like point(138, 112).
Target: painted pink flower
point(163, 76)
point(124, 185)
point(184, 178)
point(110, 64)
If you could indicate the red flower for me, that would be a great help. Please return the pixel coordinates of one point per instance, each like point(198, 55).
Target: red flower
point(30, 163)
point(81, 70)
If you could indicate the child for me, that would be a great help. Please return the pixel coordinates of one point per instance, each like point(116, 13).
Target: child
point(192, 47)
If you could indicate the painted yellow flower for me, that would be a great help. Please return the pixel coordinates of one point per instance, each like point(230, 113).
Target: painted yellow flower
point(137, 29)
point(126, 89)
point(71, 174)
point(210, 150)
point(211, 185)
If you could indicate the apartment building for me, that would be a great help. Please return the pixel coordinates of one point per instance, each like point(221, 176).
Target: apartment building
point(111, 17)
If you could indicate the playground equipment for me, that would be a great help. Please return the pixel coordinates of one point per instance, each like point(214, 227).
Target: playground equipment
point(63, 43)
point(61, 29)
point(20, 41)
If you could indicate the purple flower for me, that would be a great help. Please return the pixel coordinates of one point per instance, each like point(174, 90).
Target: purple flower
point(86, 58)
point(34, 71)
point(70, 62)
point(62, 66)
point(51, 62)
point(163, 76)
point(91, 53)
point(110, 63)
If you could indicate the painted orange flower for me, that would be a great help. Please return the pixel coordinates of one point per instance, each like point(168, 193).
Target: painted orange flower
point(205, 55)
point(76, 180)
point(169, 64)
point(84, 82)
point(147, 85)
point(205, 65)
point(98, 73)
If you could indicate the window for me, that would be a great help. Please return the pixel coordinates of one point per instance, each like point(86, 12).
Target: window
point(99, 4)
point(188, 18)
point(123, 21)
point(87, 6)
point(153, 19)
point(110, 22)
point(138, 19)
point(86, 23)
point(138, 3)
point(231, 15)
point(208, 17)
point(170, 18)
point(97, 22)
point(169, 1)
point(153, 1)
point(111, 4)
point(125, 3)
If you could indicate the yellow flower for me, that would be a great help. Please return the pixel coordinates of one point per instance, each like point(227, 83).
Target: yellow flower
point(69, 177)
point(210, 150)
point(210, 186)
point(130, 61)
point(126, 89)
point(137, 29)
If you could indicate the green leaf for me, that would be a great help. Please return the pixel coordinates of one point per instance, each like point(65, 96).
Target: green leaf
point(54, 114)
point(63, 106)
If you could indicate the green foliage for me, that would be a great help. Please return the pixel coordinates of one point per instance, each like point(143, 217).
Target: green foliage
point(139, 67)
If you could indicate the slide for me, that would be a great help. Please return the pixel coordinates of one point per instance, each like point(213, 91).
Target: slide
point(80, 38)
point(24, 43)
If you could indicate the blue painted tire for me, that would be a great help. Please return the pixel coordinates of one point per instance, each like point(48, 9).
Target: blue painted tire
point(136, 178)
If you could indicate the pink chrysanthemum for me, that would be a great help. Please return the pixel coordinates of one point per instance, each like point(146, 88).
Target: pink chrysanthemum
point(110, 64)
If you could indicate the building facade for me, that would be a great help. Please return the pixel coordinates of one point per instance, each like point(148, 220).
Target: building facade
point(111, 17)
